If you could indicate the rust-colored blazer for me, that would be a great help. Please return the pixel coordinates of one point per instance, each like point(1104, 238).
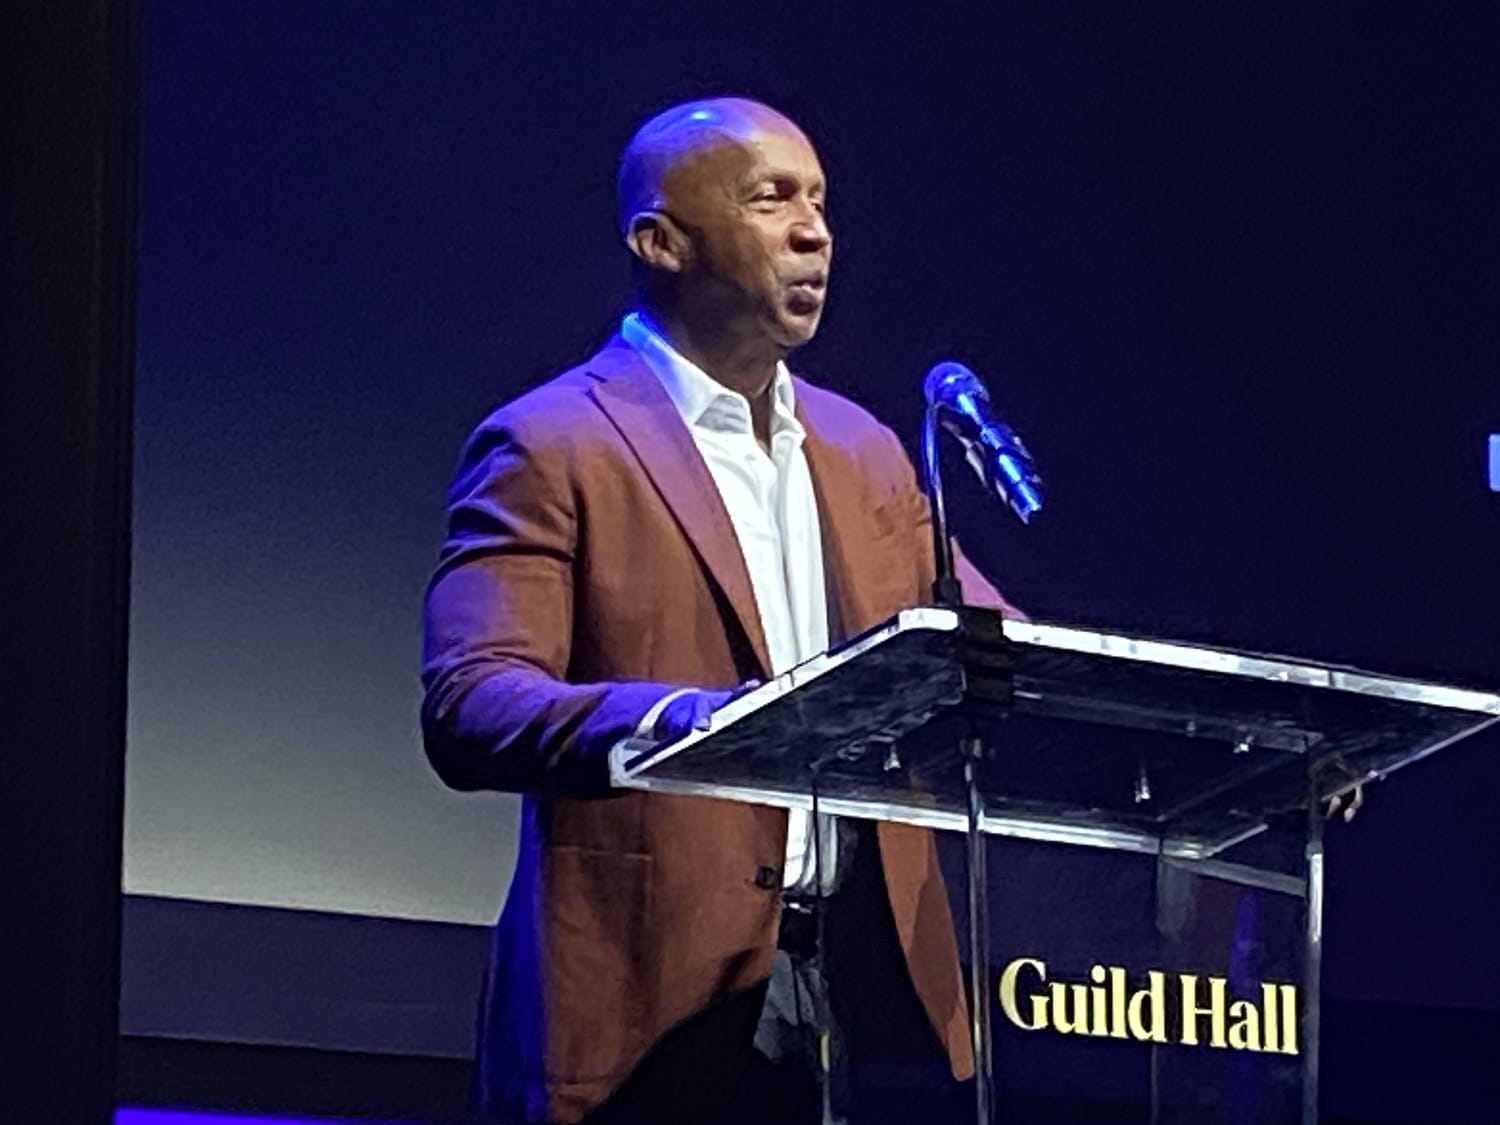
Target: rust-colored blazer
point(589, 568)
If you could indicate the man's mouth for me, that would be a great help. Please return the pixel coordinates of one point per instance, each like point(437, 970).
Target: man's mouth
point(806, 292)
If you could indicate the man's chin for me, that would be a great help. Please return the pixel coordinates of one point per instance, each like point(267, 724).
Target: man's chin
point(793, 330)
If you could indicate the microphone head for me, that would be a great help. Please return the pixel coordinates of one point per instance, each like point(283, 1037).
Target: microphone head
point(948, 379)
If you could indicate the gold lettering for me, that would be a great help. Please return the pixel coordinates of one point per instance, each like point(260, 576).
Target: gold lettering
point(1289, 1018)
point(1271, 1022)
point(1117, 1003)
point(1064, 1020)
point(1244, 1032)
point(1098, 1010)
point(1191, 1010)
point(1008, 994)
point(1105, 1007)
point(1153, 995)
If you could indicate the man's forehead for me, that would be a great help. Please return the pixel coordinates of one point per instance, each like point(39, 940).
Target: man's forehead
point(737, 158)
point(786, 151)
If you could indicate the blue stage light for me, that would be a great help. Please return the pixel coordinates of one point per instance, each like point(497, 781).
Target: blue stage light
point(1495, 462)
point(141, 1116)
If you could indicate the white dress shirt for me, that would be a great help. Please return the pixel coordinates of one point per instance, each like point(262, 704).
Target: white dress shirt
point(771, 503)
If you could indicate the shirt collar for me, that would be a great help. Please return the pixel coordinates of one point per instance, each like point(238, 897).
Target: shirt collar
point(699, 398)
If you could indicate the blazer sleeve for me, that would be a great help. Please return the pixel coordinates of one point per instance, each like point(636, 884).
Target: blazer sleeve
point(498, 630)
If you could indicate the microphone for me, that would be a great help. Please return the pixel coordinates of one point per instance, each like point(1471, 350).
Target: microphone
point(994, 450)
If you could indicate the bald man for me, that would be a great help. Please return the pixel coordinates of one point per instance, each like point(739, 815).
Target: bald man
point(674, 517)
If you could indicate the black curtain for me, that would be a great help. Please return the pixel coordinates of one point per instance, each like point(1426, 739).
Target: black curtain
point(66, 304)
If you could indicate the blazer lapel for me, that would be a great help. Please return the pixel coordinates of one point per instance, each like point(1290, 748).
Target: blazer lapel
point(840, 514)
point(639, 407)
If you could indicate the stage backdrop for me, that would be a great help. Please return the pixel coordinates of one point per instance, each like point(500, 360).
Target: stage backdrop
point(1231, 272)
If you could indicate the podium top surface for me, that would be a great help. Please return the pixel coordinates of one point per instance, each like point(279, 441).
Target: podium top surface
point(1092, 737)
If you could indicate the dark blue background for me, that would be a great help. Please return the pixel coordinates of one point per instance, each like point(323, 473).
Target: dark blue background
point(1231, 270)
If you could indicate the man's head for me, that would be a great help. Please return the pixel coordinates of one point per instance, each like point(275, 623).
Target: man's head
point(722, 202)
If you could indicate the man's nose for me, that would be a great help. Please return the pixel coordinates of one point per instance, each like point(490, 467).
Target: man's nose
point(811, 231)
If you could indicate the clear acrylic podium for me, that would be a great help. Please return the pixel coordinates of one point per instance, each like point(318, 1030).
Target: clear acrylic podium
point(1147, 926)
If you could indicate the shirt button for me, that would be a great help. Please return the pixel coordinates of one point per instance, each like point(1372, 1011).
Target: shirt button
point(767, 878)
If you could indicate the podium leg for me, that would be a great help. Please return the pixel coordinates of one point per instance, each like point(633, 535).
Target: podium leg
point(1312, 963)
point(979, 938)
point(820, 954)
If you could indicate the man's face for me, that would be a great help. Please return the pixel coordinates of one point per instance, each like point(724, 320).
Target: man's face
point(754, 209)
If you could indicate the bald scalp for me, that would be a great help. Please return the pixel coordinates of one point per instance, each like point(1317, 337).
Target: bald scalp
point(669, 138)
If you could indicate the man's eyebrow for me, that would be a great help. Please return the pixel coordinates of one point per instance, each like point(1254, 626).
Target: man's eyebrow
point(781, 177)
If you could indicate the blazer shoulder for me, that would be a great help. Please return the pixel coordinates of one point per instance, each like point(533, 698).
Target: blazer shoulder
point(843, 422)
point(546, 432)
point(562, 409)
point(552, 409)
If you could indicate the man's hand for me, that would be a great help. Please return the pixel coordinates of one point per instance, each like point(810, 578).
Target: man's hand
point(687, 712)
point(1350, 803)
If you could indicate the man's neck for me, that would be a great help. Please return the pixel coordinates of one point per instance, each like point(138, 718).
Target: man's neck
point(741, 363)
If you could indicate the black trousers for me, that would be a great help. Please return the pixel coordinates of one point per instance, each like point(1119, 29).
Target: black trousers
point(753, 1057)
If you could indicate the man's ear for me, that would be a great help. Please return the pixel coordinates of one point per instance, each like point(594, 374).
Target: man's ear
point(657, 240)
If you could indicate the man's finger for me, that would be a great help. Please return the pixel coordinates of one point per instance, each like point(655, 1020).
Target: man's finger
point(1356, 801)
